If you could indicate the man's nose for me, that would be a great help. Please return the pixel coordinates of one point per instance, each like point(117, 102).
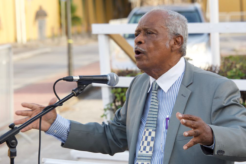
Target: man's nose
point(139, 39)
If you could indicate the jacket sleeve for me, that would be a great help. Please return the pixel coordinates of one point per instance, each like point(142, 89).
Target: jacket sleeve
point(104, 138)
point(228, 118)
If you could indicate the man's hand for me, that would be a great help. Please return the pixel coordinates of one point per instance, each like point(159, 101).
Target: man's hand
point(47, 120)
point(200, 131)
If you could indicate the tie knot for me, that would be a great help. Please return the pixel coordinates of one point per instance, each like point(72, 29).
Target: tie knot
point(155, 86)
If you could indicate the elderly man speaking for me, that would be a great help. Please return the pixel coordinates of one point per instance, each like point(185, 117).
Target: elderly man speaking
point(174, 112)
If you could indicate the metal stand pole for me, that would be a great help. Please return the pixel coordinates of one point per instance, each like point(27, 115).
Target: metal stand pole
point(69, 40)
point(12, 143)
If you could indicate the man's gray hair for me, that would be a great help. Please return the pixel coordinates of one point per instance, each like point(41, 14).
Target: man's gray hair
point(176, 25)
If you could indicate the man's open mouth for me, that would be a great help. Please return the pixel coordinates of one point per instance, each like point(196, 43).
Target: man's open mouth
point(137, 52)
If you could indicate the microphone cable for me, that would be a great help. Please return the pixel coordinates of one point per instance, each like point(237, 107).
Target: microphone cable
point(40, 120)
point(39, 142)
point(54, 89)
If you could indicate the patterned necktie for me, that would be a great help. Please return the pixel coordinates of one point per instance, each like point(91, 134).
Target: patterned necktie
point(147, 144)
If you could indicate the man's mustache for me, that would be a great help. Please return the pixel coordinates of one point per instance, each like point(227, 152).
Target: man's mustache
point(137, 48)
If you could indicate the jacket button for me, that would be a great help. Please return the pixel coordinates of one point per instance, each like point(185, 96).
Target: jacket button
point(220, 152)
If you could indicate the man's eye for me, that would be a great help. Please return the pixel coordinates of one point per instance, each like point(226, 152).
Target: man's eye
point(149, 32)
point(136, 34)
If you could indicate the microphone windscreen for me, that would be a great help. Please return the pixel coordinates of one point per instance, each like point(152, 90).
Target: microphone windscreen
point(113, 79)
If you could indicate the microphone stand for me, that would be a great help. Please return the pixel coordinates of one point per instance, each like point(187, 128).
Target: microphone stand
point(9, 137)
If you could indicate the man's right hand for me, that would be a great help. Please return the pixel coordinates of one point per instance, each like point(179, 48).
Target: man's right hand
point(47, 120)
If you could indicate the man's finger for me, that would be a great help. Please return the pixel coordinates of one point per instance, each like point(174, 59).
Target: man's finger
point(31, 106)
point(190, 117)
point(193, 133)
point(53, 101)
point(26, 128)
point(179, 115)
point(190, 124)
point(191, 143)
point(21, 121)
point(24, 113)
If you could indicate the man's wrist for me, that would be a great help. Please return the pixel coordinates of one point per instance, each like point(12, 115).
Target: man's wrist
point(51, 122)
point(211, 146)
point(60, 128)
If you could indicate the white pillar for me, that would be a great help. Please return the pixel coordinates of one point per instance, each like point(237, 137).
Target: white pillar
point(103, 42)
point(215, 42)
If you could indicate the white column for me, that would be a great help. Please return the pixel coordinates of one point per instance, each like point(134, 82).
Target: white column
point(215, 42)
point(103, 42)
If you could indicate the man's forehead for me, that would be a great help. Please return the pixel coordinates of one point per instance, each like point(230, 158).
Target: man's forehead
point(153, 19)
point(155, 15)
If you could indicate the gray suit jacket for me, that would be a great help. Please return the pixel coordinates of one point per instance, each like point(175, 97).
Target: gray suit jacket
point(213, 98)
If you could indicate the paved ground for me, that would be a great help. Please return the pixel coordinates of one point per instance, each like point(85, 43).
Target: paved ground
point(42, 91)
point(54, 62)
point(50, 42)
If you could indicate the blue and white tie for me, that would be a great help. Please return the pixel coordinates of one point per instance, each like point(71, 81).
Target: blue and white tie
point(147, 144)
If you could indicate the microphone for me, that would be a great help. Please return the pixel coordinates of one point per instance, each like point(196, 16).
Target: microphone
point(111, 79)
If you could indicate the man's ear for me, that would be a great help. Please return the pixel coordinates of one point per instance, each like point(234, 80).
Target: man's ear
point(176, 43)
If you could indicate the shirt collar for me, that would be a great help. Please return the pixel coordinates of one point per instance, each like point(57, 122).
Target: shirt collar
point(166, 80)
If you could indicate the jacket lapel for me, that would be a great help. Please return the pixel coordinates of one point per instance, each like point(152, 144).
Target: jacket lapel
point(136, 114)
point(180, 104)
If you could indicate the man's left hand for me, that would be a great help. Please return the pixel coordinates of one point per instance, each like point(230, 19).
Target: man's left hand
point(200, 131)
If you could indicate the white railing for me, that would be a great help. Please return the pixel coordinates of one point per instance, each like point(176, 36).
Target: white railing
point(225, 27)
point(6, 86)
